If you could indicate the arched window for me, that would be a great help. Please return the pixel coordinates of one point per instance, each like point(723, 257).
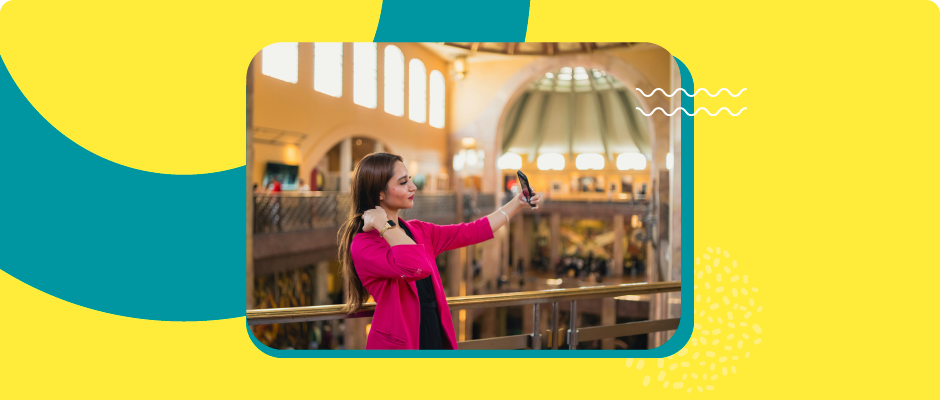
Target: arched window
point(628, 161)
point(587, 161)
point(437, 99)
point(509, 161)
point(417, 91)
point(394, 81)
point(279, 61)
point(550, 161)
point(364, 74)
point(328, 68)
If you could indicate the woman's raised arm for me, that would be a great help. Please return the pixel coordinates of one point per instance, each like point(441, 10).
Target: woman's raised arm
point(449, 237)
point(498, 218)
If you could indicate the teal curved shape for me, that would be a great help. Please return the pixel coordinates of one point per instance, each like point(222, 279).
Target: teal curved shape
point(446, 21)
point(112, 238)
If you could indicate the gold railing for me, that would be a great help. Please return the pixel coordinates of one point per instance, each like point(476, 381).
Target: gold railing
point(533, 341)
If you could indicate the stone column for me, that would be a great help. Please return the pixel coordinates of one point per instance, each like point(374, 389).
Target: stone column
point(616, 264)
point(345, 164)
point(518, 246)
point(675, 195)
point(555, 241)
point(490, 273)
point(354, 337)
point(249, 160)
point(526, 249)
point(652, 275)
point(656, 264)
point(505, 264)
point(454, 278)
point(321, 294)
point(468, 290)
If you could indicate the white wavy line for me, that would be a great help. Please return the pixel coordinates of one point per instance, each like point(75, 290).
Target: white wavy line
point(693, 114)
point(690, 95)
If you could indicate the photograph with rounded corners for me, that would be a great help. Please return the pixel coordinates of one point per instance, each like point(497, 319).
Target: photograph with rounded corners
point(463, 196)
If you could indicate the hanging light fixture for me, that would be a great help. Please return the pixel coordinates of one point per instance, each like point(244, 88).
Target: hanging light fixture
point(468, 142)
point(460, 67)
point(459, 160)
point(471, 157)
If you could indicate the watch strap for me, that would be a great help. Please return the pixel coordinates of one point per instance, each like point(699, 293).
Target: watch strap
point(385, 229)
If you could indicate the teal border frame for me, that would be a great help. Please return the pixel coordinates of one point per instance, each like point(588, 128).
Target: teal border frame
point(672, 346)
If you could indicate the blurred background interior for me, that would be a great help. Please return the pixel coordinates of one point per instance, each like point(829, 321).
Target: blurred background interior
point(465, 117)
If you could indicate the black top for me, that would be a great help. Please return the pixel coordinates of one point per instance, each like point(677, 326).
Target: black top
point(431, 335)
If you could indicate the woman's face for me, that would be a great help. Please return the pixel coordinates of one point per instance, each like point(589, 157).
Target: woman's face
point(400, 191)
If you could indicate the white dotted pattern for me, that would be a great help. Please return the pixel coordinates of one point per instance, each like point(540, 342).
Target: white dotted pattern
point(724, 332)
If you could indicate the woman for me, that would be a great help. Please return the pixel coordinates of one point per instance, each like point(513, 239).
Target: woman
point(393, 259)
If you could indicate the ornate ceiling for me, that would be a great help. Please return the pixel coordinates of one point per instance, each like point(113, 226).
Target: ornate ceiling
point(539, 48)
point(574, 110)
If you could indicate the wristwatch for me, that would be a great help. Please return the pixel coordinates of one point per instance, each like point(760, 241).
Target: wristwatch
point(388, 225)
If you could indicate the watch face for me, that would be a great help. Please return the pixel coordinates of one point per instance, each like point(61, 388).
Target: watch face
point(392, 223)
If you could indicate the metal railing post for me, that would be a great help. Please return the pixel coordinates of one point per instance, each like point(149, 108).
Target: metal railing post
point(554, 327)
point(536, 334)
point(573, 329)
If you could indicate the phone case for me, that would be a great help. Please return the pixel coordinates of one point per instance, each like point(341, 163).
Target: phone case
point(527, 191)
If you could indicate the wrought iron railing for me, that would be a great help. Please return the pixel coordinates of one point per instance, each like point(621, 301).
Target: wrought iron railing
point(311, 210)
point(556, 336)
point(297, 212)
point(291, 212)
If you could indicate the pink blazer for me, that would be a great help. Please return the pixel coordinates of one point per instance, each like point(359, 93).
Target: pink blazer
point(389, 274)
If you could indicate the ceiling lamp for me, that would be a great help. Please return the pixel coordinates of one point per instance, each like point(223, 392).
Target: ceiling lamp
point(510, 161)
point(471, 157)
point(589, 161)
point(468, 142)
point(460, 67)
point(459, 160)
point(550, 161)
point(628, 161)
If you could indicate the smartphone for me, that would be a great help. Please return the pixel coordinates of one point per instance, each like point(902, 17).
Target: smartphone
point(527, 192)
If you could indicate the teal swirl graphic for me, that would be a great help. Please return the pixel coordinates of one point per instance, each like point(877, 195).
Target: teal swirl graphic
point(113, 238)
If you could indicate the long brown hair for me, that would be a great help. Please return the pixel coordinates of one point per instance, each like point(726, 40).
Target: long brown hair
point(371, 178)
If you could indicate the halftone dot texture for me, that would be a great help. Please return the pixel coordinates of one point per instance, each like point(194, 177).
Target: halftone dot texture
point(726, 330)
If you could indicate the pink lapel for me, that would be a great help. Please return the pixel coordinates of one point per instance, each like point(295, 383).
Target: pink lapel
point(443, 311)
point(412, 284)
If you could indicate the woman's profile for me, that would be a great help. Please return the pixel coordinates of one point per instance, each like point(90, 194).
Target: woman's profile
point(394, 260)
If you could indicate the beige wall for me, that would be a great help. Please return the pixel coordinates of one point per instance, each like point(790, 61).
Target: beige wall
point(477, 89)
point(281, 154)
point(326, 120)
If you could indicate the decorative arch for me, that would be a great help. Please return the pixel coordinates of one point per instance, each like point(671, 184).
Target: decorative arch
point(488, 126)
point(317, 149)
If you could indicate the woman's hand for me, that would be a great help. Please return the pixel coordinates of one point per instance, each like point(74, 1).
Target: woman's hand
point(535, 200)
point(374, 219)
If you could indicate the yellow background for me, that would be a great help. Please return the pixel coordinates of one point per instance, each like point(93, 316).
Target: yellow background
point(823, 189)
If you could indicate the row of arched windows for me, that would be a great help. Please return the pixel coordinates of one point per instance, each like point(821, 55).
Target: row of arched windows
point(280, 61)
